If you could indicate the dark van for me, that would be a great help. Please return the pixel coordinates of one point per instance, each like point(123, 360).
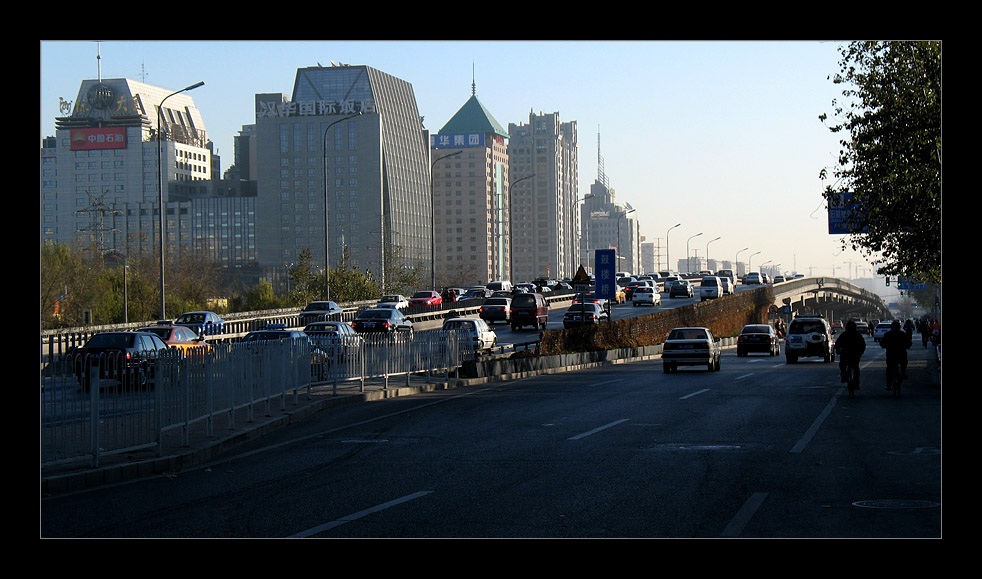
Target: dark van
point(529, 309)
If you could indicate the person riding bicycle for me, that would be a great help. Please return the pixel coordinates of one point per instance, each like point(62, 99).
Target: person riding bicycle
point(850, 347)
point(896, 342)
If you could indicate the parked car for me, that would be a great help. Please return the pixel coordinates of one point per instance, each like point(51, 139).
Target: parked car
point(710, 288)
point(382, 320)
point(496, 310)
point(529, 309)
point(758, 338)
point(396, 301)
point(646, 296)
point(483, 336)
point(691, 347)
point(319, 311)
point(181, 338)
point(681, 288)
point(127, 359)
point(584, 314)
point(809, 336)
point(201, 323)
point(426, 298)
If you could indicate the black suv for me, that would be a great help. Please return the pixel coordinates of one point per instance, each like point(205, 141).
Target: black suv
point(809, 336)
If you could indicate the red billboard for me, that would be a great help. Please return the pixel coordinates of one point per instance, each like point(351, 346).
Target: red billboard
point(104, 138)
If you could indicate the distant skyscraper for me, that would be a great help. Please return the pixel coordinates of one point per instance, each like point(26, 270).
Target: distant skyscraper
point(377, 174)
point(470, 182)
point(543, 207)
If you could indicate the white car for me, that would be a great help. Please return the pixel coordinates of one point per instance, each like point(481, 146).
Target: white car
point(646, 296)
point(484, 336)
point(753, 278)
point(710, 288)
point(396, 301)
point(727, 285)
point(691, 347)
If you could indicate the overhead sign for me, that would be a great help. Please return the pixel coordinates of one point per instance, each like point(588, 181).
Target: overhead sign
point(843, 215)
point(605, 269)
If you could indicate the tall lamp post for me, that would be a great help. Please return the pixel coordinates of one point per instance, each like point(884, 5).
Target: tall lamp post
point(619, 233)
point(668, 258)
point(327, 212)
point(688, 264)
point(736, 263)
point(749, 260)
point(707, 250)
point(160, 191)
point(433, 220)
point(511, 229)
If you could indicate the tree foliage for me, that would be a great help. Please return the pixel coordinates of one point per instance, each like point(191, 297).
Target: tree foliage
point(890, 161)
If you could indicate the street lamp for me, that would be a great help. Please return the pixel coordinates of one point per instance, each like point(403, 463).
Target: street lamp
point(327, 212)
point(160, 191)
point(736, 261)
point(511, 229)
point(688, 264)
point(433, 221)
point(619, 232)
point(668, 259)
point(749, 260)
point(707, 250)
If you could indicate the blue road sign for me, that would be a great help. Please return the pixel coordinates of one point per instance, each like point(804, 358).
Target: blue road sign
point(605, 268)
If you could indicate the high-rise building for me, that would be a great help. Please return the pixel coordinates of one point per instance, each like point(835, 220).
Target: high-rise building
point(100, 177)
point(543, 159)
point(348, 142)
point(470, 203)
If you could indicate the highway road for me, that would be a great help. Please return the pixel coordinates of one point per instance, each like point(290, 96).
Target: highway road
point(759, 449)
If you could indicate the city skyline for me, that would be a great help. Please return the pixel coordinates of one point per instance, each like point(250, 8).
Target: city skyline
point(722, 137)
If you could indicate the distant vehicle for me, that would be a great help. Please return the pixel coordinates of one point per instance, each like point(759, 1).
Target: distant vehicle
point(496, 310)
point(592, 297)
point(758, 338)
point(476, 294)
point(779, 279)
point(880, 330)
point(529, 309)
point(180, 338)
point(127, 359)
point(710, 288)
point(668, 282)
point(337, 340)
point(483, 336)
point(500, 286)
point(584, 314)
point(862, 327)
point(753, 278)
point(681, 288)
point(691, 347)
point(646, 296)
point(396, 301)
point(387, 320)
point(318, 311)
point(426, 298)
point(278, 332)
point(207, 323)
point(727, 285)
point(728, 273)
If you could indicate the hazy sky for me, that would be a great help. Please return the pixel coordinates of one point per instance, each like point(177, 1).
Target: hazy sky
point(722, 137)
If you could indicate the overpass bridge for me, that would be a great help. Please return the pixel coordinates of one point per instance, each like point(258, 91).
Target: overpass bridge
point(834, 298)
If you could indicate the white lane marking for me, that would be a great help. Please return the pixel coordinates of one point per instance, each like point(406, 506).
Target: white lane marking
point(607, 382)
point(736, 525)
point(744, 376)
point(800, 445)
point(694, 393)
point(337, 523)
point(598, 429)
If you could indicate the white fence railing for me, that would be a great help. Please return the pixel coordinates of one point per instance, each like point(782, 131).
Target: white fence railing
point(92, 406)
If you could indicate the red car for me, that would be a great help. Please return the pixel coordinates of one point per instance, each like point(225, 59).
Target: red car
point(425, 298)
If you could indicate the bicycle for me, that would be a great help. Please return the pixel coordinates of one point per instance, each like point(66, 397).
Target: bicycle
point(894, 377)
point(851, 374)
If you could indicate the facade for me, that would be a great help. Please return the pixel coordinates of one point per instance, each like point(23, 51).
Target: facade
point(544, 173)
point(649, 257)
point(608, 224)
point(100, 178)
point(470, 205)
point(342, 169)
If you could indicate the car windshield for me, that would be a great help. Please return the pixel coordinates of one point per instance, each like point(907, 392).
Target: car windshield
point(110, 341)
point(375, 314)
point(583, 308)
point(317, 306)
point(687, 334)
point(163, 333)
point(265, 336)
point(496, 302)
point(756, 329)
point(458, 325)
point(390, 299)
point(422, 294)
point(190, 318)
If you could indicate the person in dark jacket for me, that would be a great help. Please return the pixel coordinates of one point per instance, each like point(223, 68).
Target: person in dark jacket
point(896, 342)
point(850, 347)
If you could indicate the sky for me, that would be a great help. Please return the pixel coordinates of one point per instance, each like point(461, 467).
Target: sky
point(721, 137)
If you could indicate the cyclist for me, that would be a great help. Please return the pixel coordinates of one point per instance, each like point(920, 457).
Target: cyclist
point(896, 342)
point(850, 347)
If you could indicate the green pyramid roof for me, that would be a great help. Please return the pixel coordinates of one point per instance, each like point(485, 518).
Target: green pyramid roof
point(471, 118)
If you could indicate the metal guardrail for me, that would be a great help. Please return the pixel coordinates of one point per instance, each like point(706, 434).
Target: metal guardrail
point(91, 406)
